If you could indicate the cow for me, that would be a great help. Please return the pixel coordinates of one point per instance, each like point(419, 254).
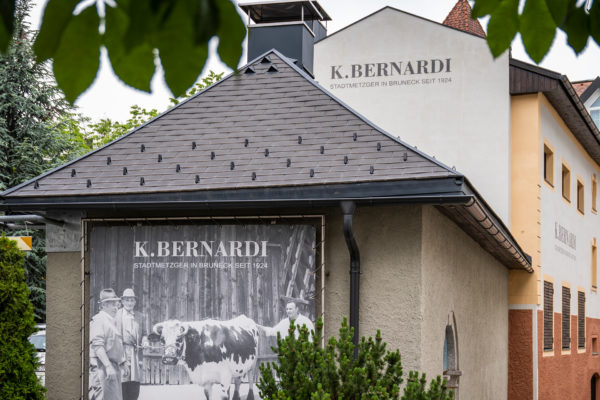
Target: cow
point(213, 352)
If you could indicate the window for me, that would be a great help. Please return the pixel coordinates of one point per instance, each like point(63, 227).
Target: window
point(548, 165)
point(594, 191)
point(595, 112)
point(580, 196)
point(548, 315)
point(451, 370)
point(580, 320)
point(594, 266)
point(594, 345)
point(566, 183)
point(566, 318)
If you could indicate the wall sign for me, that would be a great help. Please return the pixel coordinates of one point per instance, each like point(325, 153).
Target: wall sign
point(199, 305)
point(567, 241)
point(391, 74)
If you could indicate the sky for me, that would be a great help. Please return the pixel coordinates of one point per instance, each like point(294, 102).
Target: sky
point(109, 98)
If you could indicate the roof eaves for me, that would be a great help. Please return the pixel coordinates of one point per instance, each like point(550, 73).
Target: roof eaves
point(361, 117)
point(523, 258)
point(534, 68)
point(578, 104)
point(570, 92)
point(437, 190)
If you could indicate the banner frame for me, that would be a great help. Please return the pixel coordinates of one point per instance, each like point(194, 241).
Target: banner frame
point(317, 220)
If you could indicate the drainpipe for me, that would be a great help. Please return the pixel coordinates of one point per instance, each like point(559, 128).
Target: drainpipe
point(348, 208)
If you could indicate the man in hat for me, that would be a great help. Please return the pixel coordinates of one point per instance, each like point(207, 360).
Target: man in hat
point(128, 325)
point(107, 355)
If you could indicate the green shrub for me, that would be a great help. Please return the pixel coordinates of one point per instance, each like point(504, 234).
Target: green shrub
point(17, 356)
point(306, 371)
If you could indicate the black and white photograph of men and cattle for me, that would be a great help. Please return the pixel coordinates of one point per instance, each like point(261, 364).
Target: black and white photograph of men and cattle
point(192, 310)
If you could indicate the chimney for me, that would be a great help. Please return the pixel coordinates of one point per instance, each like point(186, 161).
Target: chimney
point(291, 27)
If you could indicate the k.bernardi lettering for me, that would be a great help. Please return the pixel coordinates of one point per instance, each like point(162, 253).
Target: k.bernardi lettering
point(392, 68)
point(187, 248)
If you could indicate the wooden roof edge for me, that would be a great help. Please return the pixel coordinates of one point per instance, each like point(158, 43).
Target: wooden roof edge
point(566, 89)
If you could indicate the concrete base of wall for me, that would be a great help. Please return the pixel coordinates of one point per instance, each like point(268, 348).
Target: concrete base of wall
point(63, 317)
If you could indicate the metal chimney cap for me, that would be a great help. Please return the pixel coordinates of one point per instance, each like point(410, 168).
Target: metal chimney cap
point(284, 10)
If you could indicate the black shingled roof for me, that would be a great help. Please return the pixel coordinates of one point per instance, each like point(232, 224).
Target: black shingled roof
point(268, 126)
point(268, 134)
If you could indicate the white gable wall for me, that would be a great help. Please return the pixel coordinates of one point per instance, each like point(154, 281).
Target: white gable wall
point(461, 117)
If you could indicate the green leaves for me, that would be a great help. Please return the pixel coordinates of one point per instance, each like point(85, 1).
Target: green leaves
point(180, 57)
point(537, 24)
point(484, 7)
point(133, 65)
point(577, 28)
point(57, 15)
point(77, 57)
point(133, 31)
point(537, 29)
point(503, 26)
point(231, 34)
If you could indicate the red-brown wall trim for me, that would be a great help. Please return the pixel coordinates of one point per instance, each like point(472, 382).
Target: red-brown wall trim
point(567, 376)
point(520, 355)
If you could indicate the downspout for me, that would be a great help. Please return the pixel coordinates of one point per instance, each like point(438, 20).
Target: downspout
point(348, 208)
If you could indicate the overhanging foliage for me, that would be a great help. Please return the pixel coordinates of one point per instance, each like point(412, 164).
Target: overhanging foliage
point(134, 34)
point(538, 22)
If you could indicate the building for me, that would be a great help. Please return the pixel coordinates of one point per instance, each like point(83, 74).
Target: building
point(335, 214)
point(527, 141)
point(589, 92)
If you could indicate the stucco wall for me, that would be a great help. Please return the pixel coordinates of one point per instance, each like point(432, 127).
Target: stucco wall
point(459, 276)
point(416, 267)
point(390, 289)
point(63, 316)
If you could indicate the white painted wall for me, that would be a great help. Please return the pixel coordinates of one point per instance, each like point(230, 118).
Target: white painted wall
point(461, 117)
point(560, 261)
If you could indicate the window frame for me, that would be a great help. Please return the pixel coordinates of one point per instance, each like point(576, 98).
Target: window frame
point(580, 193)
point(581, 320)
point(595, 108)
point(548, 317)
point(566, 319)
point(548, 164)
point(566, 182)
point(594, 266)
point(594, 193)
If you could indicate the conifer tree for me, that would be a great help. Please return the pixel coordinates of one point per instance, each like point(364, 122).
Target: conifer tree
point(17, 358)
point(307, 371)
point(31, 138)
